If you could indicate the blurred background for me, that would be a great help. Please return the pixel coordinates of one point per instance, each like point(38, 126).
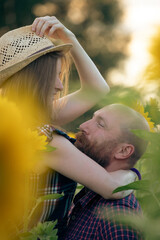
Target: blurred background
point(121, 36)
point(123, 39)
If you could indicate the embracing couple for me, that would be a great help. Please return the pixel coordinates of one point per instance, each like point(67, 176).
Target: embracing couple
point(104, 151)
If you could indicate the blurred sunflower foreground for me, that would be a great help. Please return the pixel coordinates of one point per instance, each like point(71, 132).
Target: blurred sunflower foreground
point(19, 151)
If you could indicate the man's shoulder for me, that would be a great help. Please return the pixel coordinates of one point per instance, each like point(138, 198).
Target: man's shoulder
point(129, 200)
point(110, 217)
point(97, 201)
point(128, 204)
point(104, 213)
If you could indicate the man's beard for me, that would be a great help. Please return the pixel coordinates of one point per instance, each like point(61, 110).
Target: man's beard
point(99, 153)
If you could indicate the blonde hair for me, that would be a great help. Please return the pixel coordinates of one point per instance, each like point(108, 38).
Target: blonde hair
point(34, 84)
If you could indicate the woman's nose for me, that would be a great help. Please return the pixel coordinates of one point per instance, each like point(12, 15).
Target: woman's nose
point(59, 85)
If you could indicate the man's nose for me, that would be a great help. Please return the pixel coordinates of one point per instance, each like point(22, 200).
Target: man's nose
point(59, 85)
point(84, 127)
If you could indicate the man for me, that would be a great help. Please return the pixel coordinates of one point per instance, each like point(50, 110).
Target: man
point(107, 139)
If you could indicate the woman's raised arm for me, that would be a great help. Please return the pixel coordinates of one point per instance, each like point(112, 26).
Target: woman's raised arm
point(93, 85)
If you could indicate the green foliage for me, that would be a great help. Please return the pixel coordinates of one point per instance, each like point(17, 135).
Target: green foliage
point(38, 201)
point(149, 188)
point(153, 137)
point(152, 107)
point(79, 187)
point(49, 148)
point(49, 197)
point(142, 185)
point(43, 231)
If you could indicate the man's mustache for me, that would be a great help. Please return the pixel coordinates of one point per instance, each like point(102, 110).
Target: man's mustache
point(80, 136)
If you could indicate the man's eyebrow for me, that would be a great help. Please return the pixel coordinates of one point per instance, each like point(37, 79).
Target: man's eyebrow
point(101, 118)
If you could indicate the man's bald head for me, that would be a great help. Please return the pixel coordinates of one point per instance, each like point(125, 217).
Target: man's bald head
point(129, 119)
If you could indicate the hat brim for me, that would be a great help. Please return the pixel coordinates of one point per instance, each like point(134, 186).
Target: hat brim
point(11, 70)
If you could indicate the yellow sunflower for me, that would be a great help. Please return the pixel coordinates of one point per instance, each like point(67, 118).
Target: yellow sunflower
point(139, 108)
point(19, 151)
point(71, 134)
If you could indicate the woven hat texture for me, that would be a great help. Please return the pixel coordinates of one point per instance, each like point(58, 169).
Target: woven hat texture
point(20, 47)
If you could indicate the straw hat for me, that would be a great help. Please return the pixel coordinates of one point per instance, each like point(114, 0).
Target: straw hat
point(20, 47)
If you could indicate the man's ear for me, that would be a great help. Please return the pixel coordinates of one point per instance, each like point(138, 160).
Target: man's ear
point(124, 151)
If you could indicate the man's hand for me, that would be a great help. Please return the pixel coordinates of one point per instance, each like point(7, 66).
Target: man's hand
point(52, 27)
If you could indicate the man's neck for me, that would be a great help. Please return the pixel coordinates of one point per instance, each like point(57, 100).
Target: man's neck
point(117, 165)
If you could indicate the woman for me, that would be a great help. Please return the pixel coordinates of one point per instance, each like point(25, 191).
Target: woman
point(30, 73)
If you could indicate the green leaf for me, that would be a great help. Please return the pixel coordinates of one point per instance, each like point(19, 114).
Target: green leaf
point(138, 185)
point(79, 187)
point(45, 230)
point(147, 135)
point(49, 149)
point(50, 226)
point(49, 197)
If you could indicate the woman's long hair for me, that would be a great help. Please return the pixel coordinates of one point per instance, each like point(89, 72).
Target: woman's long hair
point(33, 86)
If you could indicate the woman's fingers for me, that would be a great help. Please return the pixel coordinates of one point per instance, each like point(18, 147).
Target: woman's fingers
point(48, 25)
point(39, 26)
point(52, 27)
point(34, 24)
point(44, 28)
point(43, 24)
point(56, 26)
point(37, 22)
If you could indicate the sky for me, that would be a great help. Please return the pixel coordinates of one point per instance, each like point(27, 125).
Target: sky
point(140, 19)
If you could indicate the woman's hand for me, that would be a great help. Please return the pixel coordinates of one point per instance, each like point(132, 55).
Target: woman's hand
point(52, 27)
point(123, 177)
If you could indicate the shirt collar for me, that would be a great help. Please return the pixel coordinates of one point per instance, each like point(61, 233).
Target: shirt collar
point(137, 172)
point(84, 197)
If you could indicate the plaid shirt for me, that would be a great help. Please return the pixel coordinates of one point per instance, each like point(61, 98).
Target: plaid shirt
point(89, 218)
point(49, 183)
